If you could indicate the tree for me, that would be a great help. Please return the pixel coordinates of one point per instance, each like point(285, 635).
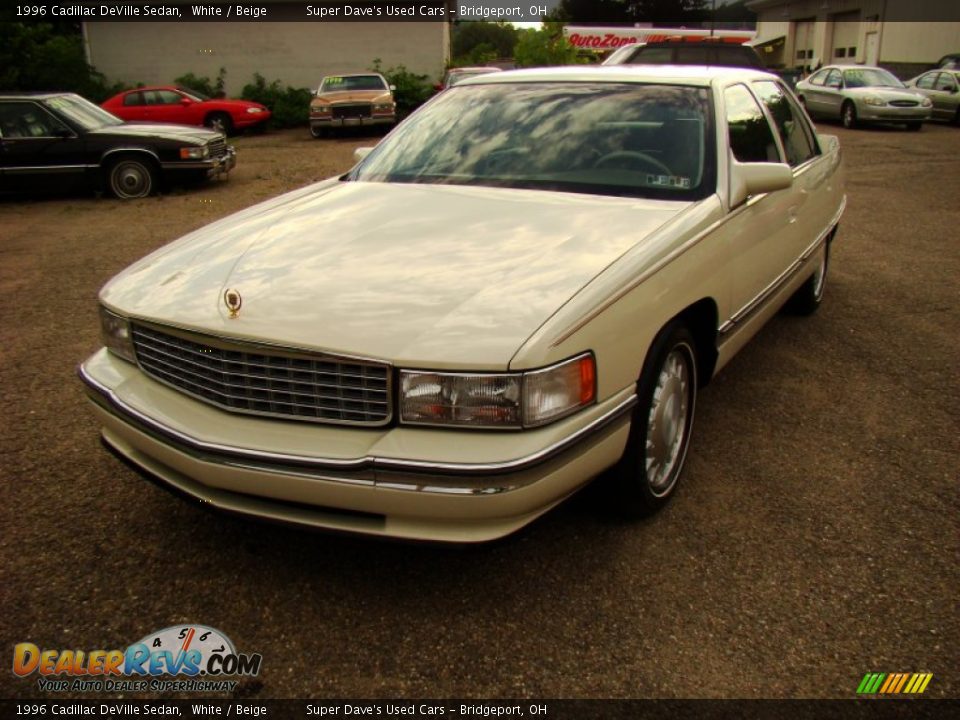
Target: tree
point(490, 40)
point(544, 47)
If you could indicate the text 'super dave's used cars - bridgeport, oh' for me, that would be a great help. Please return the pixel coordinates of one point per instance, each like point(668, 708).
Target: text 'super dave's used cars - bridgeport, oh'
point(522, 286)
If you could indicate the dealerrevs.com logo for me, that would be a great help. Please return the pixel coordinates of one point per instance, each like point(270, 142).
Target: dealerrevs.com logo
point(201, 658)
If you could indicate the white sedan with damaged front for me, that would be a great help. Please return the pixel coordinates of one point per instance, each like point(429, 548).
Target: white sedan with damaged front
point(521, 287)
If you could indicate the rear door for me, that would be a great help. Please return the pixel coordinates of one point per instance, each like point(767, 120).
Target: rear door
point(946, 96)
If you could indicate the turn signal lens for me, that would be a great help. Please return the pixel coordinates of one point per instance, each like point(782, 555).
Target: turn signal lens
point(555, 392)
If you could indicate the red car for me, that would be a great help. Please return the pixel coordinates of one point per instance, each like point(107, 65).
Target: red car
point(171, 104)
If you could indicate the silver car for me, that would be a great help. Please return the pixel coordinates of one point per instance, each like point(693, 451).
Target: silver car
point(943, 89)
point(860, 93)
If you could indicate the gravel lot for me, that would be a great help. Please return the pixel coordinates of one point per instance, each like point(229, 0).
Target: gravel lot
point(815, 538)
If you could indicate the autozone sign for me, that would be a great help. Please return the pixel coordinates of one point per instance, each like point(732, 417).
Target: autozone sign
point(609, 38)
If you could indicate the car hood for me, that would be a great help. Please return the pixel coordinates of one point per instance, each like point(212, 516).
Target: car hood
point(341, 96)
point(418, 275)
point(166, 131)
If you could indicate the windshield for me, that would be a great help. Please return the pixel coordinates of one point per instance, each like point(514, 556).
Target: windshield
point(598, 138)
point(352, 82)
point(870, 77)
point(83, 112)
point(193, 94)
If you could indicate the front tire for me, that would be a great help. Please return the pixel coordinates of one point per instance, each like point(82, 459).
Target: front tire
point(220, 122)
point(848, 114)
point(131, 177)
point(318, 132)
point(808, 296)
point(647, 475)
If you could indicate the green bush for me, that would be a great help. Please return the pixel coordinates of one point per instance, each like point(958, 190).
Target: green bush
point(290, 106)
point(411, 90)
point(213, 89)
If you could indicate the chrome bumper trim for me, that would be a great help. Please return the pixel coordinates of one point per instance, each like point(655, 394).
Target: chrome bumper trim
point(299, 464)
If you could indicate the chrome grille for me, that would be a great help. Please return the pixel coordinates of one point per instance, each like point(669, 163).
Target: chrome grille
point(904, 103)
point(352, 111)
point(218, 148)
point(267, 381)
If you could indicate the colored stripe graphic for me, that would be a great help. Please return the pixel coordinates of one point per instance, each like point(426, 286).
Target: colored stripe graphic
point(894, 683)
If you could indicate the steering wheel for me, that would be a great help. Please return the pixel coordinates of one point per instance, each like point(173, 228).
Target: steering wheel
point(651, 162)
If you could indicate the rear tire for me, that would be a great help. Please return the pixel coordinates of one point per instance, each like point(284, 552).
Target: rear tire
point(647, 475)
point(130, 177)
point(848, 114)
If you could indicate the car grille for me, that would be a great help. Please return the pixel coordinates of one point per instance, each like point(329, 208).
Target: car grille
point(218, 148)
point(352, 111)
point(267, 381)
point(904, 103)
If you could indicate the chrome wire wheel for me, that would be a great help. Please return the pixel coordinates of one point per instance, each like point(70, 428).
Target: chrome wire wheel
point(131, 179)
point(668, 421)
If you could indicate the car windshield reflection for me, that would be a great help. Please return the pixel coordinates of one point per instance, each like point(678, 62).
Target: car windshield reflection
point(599, 138)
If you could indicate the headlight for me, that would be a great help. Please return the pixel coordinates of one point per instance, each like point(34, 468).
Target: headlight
point(194, 153)
point(383, 107)
point(874, 100)
point(319, 109)
point(254, 110)
point(926, 102)
point(505, 400)
point(115, 333)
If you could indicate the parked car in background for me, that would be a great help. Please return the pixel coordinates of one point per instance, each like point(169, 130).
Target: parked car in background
point(862, 93)
point(687, 52)
point(455, 75)
point(943, 89)
point(949, 62)
point(62, 141)
point(525, 284)
point(363, 99)
point(183, 106)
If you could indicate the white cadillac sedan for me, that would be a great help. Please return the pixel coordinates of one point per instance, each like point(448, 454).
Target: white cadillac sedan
point(522, 286)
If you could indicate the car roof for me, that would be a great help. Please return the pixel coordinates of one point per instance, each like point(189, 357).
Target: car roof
point(478, 68)
point(695, 75)
point(32, 95)
point(361, 74)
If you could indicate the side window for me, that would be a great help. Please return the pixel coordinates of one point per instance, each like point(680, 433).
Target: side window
point(818, 77)
point(132, 99)
point(751, 139)
point(946, 81)
point(168, 97)
point(789, 121)
point(27, 120)
point(833, 79)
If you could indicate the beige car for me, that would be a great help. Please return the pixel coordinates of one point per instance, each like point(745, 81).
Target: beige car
point(523, 286)
point(352, 100)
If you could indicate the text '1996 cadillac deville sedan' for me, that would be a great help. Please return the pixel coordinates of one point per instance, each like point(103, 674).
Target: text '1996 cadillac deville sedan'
point(522, 286)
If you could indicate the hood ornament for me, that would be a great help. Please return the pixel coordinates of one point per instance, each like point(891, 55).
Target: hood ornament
point(233, 301)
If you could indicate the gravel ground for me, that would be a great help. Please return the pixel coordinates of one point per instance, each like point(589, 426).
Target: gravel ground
point(815, 537)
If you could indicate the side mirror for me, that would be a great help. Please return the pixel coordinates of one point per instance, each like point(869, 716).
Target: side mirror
point(748, 179)
point(186, 101)
point(393, 88)
point(360, 153)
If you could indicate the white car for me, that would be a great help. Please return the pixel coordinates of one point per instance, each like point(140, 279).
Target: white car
point(522, 286)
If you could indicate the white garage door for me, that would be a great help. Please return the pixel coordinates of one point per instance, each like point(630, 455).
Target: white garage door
point(846, 32)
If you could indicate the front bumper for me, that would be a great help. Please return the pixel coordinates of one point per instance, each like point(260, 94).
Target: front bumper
point(887, 113)
point(414, 483)
point(213, 166)
point(320, 123)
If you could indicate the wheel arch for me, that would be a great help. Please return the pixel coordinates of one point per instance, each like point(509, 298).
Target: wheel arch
point(702, 318)
point(110, 155)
